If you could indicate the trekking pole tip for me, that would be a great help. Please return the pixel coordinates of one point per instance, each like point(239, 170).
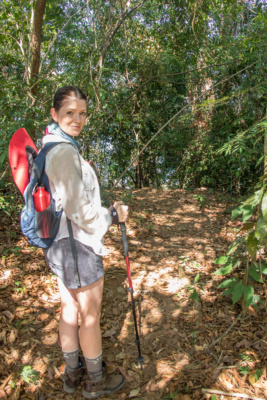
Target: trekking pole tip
point(140, 361)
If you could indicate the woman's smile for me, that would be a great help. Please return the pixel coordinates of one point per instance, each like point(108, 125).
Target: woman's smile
point(71, 116)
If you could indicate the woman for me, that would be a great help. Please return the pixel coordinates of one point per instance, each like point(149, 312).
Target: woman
point(75, 255)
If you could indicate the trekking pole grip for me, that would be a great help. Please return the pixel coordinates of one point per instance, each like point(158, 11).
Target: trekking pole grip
point(124, 238)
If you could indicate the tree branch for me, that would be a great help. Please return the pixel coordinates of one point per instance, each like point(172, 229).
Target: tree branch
point(57, 35)
point(173, 118)
point(148, 81)
point(220, 392)
point(109, 37)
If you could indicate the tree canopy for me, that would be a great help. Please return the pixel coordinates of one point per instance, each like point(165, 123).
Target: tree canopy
point(176, 89)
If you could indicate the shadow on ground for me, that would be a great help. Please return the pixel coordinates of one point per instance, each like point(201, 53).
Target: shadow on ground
point(187, 346)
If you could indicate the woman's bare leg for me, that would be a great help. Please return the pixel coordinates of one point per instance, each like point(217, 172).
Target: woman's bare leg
point(68, 324)
point(89, 299)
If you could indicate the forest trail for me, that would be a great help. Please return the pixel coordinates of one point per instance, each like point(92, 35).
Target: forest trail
point(187, 345)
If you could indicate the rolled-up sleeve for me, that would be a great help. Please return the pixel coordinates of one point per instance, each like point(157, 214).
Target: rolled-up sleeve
point(65, 172)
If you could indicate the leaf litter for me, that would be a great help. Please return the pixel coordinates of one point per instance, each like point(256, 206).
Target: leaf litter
point(187, 345)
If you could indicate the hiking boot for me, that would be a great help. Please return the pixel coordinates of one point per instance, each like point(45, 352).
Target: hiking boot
point(72, 377)
point(99, 383)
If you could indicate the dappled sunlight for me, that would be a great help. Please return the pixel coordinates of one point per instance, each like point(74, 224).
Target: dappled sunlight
point(176, 284)
point(138, 281)
point(182, 341)
point(124, 332)
point(6, 275)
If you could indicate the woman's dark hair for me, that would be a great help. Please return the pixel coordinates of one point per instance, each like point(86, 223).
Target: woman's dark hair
point(64, 92)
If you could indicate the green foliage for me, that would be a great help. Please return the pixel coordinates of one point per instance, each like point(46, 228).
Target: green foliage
point(29, 375)
point(16, 250)
point(194, 287)
point(203, 60)
point(246, 370)
point(258, 374)
point(8, 204)
point(202, 199)
point(19, 289)
point(172, 395)
point(244, 249)
point(127, 196)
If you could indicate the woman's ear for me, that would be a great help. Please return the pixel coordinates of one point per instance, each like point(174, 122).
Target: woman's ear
point(54, 114)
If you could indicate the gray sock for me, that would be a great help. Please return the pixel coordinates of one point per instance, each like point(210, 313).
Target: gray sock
point(71, 358)
point(94, 364)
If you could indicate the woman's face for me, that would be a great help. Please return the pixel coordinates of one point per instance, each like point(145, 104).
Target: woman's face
point(71, 116)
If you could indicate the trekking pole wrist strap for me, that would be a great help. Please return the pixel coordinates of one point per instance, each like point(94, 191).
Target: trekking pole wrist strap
point(114, 215)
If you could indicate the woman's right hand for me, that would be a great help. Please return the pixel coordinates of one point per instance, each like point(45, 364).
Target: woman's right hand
point(122, 210)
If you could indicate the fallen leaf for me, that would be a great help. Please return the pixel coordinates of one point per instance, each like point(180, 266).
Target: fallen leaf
point(244, 343)
point(27, 321)
point(111, 369)
point(40, 365)
point(251, 379)
point(128, 378)
point(3, 336)
point(120, 356)
point(25, 343)
point(3, 305)
point(53, 324)
point(50, 373)
point(8, 314)
point(15, 354)
point(146, 359)
point(43, 317)
point(134, 392)
point(50, 339)
point(16, 394)
point(12, 336)
point(109, 332)
point(134, 375)
point(21, 308)
point(58, 373)
point(251, 310)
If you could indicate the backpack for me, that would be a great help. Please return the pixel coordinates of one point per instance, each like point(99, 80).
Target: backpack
point(40, 227)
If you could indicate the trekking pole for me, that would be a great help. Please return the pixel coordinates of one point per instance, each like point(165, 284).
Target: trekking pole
point(130, 289)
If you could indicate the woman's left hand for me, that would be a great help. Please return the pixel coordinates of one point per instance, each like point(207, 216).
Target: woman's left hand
point(122, 210)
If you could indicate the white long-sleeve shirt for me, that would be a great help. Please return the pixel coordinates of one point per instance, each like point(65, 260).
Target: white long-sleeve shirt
point(75, 188)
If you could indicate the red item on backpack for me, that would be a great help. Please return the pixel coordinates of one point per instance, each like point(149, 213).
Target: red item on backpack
point(18, 158)
point(41, 199)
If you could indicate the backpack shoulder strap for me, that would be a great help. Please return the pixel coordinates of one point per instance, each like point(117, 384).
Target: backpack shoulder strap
point(49, 146)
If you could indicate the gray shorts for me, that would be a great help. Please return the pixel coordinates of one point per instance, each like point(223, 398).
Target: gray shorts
point(60, 259)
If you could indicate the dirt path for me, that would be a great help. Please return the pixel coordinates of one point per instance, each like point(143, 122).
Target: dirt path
point(187, 345)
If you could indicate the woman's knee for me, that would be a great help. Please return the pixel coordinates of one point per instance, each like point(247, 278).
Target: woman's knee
point(69, 310)
point(90, 318)
point(90, 299)
point(69, 307)
point(69, 302)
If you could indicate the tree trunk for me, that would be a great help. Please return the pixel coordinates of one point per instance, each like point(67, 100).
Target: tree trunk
point(138, 172)
point(35, 43)
point(110, 36)
point(156, 178)
point(35, 54)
